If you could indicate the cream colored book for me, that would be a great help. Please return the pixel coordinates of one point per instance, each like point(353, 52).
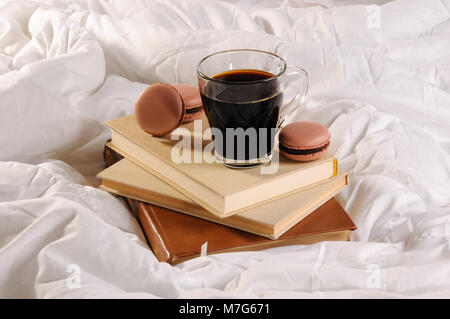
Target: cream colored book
point(220, 190)
point(271, 219)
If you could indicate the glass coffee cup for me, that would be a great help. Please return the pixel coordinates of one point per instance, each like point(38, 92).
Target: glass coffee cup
point(243, 93)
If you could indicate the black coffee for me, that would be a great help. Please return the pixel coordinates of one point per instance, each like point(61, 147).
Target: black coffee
point(243, 99)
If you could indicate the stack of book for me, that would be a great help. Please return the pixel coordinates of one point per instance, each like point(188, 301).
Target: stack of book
point(189, 207)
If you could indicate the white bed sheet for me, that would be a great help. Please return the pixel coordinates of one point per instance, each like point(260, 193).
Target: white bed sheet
point(384, 92)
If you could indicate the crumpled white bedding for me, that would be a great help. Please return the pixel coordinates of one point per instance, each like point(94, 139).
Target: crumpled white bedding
point(380, 83)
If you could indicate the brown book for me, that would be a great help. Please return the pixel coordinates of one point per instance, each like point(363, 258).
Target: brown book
point(110, 156)
point(176, 237)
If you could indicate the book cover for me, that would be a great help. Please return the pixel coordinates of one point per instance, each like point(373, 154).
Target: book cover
point(176, 237)
point(218, 189)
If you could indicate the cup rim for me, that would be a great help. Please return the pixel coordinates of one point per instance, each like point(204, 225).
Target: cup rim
point(275, 76)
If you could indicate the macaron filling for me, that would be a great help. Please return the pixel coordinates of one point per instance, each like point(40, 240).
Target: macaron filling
point(294, 151)
point(193, 110)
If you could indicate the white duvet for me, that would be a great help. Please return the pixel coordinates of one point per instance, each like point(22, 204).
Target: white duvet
point(380, 79)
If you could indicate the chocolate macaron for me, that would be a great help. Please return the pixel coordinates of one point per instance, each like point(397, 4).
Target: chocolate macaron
point(304, 141)
point(163, 107)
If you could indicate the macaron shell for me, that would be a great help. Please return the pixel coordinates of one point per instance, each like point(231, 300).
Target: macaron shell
point(159, 109)
point(304, 135)
point(192, 99)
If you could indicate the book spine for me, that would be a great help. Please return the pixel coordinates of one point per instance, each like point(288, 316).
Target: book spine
point(152, 231)
point(144, 214)
point(110, 156)
point(132, 205)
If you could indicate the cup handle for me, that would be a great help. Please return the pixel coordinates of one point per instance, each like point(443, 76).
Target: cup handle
point(293, 105)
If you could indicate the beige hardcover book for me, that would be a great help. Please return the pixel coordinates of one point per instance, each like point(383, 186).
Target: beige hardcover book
point(271, 219)
point(220, 190)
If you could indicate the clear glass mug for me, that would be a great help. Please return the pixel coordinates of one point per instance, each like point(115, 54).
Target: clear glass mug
point(243, 93)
